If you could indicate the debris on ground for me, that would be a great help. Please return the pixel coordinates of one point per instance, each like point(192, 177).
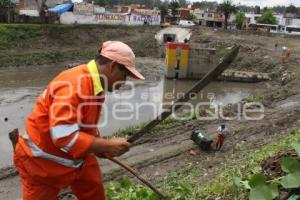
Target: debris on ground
point(194, 152)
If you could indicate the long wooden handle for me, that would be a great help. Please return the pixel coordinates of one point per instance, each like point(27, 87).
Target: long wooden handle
point(135, 173)
point(209, 77)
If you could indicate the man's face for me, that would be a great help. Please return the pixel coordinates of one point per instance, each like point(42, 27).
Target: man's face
point(117, 76)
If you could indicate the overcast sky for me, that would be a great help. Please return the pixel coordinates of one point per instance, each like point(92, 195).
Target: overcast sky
point(262, 3)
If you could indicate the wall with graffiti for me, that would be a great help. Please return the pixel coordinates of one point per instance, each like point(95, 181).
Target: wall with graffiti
point(114, 18)
point(144, 19)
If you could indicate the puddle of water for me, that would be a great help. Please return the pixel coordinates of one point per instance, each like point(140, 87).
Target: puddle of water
point(136, 105)
point(221, 93)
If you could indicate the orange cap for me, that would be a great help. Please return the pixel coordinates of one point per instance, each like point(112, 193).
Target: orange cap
point(121, 53)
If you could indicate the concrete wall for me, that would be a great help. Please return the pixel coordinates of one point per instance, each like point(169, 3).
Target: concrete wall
point(133, 19)
point(201, 61)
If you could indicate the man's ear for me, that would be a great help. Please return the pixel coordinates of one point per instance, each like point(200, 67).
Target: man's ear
point(113, 65)
point(109, 67)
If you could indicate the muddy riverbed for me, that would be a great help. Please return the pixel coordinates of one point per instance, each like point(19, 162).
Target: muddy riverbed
point(142, 101)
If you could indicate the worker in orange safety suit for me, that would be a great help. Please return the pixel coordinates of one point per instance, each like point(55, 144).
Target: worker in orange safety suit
point(285, 55)
point(221, 131)
point(60, 143)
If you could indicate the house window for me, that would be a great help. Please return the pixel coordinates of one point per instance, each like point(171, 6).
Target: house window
point(209, 15)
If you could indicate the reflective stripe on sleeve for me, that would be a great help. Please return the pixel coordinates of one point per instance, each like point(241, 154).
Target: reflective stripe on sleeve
point(61, 131)
point(71, 143)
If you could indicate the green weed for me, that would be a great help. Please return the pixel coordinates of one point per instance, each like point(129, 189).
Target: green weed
point(188, 185)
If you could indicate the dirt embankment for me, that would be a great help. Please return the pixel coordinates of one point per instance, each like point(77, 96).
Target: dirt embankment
point(43, 44)
point(257, 53)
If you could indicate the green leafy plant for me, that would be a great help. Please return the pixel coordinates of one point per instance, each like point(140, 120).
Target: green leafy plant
point(259, 187)
point(227, 8)
point(240, 19)
point(267, 18)
point(124, 189)
point(263, 189)
point(292, 167)
point(181, 190)
point(296, 146)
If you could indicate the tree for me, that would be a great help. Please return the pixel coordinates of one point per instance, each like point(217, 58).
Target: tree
point(257, 9)
point(227, 8)
point(101, 2)
point(205, 5)
point(197, 5)
point(267, 18)
point(291, 9)
point(4, 2)
point(174, 5)
point(163, 10)
point(182, 3)
point(8, 4)
point(279, 9)
point(190, 17)
point(265, 9)
point(240, 18)
point(245, 9)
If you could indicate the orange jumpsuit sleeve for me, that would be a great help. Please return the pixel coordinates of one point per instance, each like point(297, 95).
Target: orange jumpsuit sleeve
point(64, 120)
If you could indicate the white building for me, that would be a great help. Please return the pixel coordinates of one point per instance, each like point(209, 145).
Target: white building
point(281, 19)
point(292, 19)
